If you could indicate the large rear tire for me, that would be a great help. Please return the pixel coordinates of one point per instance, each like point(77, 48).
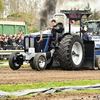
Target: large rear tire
point(40, 62)
point(49, 65)
point(71, 52)
point(13, 63)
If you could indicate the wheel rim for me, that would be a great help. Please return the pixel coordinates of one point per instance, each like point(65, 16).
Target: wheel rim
point(77, 53)
point(15, 63)
point(42, 62)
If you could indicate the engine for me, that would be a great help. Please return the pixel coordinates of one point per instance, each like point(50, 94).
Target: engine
point(31, 41)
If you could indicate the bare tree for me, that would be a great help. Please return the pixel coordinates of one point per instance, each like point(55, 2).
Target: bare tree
point(15, 6)
point(1, 8)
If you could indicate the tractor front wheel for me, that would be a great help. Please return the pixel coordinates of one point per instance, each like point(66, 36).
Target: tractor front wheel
point(40, 62)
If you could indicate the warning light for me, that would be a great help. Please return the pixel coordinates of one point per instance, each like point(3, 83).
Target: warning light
point(71, 22)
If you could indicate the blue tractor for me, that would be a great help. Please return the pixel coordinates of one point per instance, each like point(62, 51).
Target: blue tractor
point(71, 52)
point(93, 27)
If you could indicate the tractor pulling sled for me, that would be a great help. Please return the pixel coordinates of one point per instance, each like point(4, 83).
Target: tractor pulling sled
point(71, 53)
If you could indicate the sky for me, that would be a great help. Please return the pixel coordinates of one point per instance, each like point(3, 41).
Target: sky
point(68, 4)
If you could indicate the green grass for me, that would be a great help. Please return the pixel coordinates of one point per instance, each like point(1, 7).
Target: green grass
point(3, 61)
point(5, 66)
point(18, 87)
point(6, 61)
point(86, 91)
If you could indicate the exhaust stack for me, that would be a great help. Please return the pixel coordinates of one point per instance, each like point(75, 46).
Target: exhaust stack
point(40, 37)
point(48, 7)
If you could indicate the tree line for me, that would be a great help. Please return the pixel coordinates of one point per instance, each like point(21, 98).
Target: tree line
point(32, 7)
point(14, 6)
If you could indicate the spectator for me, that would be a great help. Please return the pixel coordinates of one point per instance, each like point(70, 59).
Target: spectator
point(5, 44)
point(13, 39)
point(86, 35)
point(18, 38)
point(15, 35)
point(4, 36)
point(1, 42)
point(7, 37)
point(14, 42)
point(21, 43)
point(10, 40)
point(22, 40)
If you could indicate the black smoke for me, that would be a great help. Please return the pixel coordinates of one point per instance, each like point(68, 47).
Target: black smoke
point(48, 7)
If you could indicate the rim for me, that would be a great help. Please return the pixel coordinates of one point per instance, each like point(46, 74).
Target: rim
point(42, 62)
point(77, 53)
point(15, 63)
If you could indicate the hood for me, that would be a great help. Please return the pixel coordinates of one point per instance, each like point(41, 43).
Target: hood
point(38, 33)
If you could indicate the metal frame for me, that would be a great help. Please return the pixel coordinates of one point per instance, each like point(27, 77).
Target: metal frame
point(75, 15)
point(8, 52)
point(65, 25)
point(62, 14)
point(70, 25)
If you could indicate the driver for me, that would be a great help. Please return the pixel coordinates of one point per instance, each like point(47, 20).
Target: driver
point(57, 30)
point(86, 35)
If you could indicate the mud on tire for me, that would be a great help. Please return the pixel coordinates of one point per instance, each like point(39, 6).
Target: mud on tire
point(71, 52)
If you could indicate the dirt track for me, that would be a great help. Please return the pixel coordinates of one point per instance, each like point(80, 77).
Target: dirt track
point(62, 96)
point(27, 75)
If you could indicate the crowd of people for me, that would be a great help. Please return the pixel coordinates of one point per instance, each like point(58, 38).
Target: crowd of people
point(12, 42)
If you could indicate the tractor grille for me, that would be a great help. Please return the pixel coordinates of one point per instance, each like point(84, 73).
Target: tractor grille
point(29, 43)
point(26, 43)
point(32, 42)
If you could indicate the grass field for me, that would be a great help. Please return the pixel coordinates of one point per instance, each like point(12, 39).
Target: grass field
point(3, 61)
point(18, 87)
point(2, 66)
point(6, 61)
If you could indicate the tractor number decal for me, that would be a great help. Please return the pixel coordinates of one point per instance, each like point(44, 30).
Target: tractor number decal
point(74, 15)
point(47, 44)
